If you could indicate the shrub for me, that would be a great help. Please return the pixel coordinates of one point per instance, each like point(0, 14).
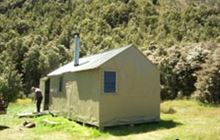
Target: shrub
point(208, 83)
point(10, 83)
point(178, 67)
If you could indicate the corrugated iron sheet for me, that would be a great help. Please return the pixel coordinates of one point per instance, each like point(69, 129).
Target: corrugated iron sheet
point(89, 62)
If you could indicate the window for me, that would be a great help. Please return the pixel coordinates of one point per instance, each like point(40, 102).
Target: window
point(109, 82)
point(60, 84)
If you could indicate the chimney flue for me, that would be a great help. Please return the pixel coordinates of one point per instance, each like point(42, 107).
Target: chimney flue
point(76, 49)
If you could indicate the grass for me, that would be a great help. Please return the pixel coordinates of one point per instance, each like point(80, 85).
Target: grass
point(180, 119)
point(66, 126)
point(199, 121)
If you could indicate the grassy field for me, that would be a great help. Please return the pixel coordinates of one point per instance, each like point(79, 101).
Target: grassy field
point(180, 119)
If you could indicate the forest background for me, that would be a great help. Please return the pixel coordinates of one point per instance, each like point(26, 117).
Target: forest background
point(182, 37)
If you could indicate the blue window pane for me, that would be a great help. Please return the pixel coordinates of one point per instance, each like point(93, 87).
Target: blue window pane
point(109, 81)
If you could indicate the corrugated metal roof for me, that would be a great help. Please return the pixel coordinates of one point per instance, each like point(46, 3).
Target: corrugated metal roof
point(89, 62)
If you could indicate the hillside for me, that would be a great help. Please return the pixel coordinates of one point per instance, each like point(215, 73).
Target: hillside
point(37, 36)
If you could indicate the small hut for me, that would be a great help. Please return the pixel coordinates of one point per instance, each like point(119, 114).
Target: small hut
point(120, 86)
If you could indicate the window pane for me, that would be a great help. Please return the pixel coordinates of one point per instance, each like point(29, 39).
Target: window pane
point(61, 84)
point(109, 81)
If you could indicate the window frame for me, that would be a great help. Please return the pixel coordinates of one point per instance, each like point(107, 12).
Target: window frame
point(103, 82)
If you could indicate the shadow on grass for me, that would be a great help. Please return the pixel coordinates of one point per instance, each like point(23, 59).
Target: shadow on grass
point(141, 128)
point(2, 127)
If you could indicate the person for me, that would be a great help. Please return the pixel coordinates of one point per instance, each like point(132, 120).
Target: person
point(38, 97)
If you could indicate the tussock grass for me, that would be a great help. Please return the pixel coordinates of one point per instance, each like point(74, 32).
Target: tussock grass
point(25, 101)
point(167, 110)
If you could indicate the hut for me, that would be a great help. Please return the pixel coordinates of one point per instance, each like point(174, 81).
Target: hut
point(116, 87)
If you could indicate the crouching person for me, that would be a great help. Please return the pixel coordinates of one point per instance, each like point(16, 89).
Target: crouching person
point(38, 97)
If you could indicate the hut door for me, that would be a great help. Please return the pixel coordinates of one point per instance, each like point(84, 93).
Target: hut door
point(45, 88)
point(47, 94)
point(71, 92)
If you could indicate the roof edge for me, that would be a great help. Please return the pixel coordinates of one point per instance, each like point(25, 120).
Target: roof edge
point(126, 47)
point(148, 59)
point(93, 67)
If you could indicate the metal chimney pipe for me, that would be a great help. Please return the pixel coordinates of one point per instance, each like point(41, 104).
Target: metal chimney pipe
point(76, 49)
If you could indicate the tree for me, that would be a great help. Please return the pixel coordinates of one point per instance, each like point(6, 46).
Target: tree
point(208, 83)
point(10, 79)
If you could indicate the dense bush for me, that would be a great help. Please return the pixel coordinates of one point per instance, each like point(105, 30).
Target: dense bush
point(37, 36)
point(208, 83)
point(10, 79)
point(189, 71)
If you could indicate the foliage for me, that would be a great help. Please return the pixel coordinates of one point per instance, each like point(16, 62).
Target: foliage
point(208, 83)
point(37, 36)
point(184, 70)
point(10, 80)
